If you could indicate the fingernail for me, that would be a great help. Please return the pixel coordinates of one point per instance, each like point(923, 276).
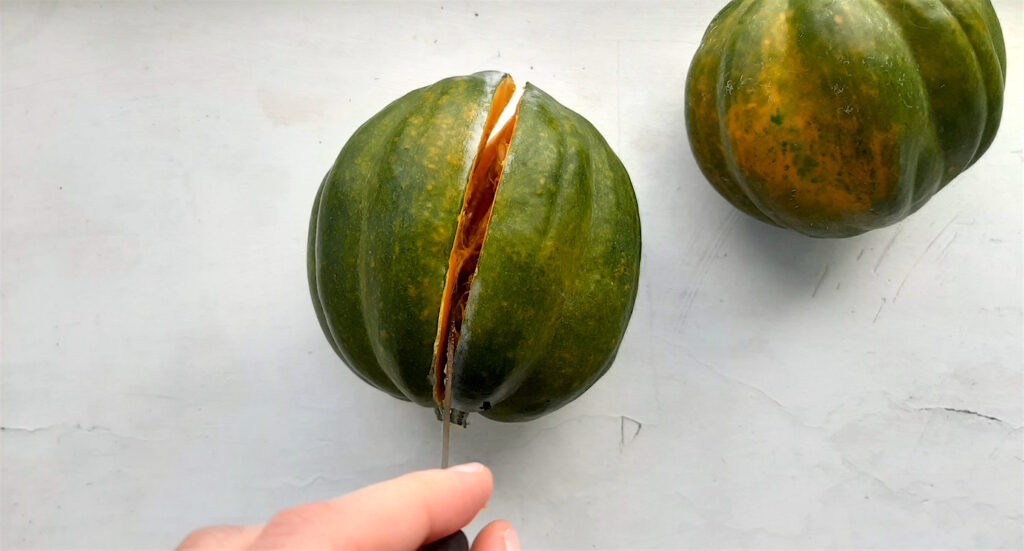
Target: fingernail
point(511, 540)
point(467, 468)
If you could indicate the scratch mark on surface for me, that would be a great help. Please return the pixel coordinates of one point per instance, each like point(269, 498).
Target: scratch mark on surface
point(942, 254)
point(756, 390)
point(26, 429)
point(318, 479)
point(704, 266)
point(860, 254)
point(838, 284)
point(820, 281)
point(879, 312)
point(942, 231)
point(968, 412)
point(921, 257)
point(1020, 153)
point(924, 432)
point(888, 246)
point(863, 472)
point(623, 419)
point(77, 427)
point(905, 278)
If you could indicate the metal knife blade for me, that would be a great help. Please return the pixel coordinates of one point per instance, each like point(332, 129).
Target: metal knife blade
point(457, 541)
point(446, 412)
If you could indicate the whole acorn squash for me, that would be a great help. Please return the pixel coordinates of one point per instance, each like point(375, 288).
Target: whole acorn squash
point(510, 255)
point(833, 118)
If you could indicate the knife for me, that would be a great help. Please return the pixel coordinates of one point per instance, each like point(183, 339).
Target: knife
point(449, 392)
point(457, 541)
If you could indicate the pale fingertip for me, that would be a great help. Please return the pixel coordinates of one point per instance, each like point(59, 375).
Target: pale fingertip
point(511, 539)
point(468, 468)
point(219, 538)
point(493, 537)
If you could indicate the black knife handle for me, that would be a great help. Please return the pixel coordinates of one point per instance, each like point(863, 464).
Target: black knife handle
point(452, 542)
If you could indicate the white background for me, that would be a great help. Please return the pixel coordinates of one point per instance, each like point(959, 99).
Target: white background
point(163, 368)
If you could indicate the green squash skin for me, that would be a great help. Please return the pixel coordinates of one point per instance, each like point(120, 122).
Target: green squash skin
point(382, 230)
point(558, 272)
point(837, 118)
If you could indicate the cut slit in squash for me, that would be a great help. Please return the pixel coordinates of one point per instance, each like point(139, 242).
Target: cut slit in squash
point(485, 176)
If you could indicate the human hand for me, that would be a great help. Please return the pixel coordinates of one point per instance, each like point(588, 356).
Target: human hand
point(403, 513)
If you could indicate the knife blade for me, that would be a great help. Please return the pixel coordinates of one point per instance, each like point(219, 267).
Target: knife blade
point(449, 392)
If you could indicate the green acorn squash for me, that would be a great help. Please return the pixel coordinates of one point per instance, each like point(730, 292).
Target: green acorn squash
point(510, 255)
point(833, 118)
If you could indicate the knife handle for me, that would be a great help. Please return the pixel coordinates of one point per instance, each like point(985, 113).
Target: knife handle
point(452, 542)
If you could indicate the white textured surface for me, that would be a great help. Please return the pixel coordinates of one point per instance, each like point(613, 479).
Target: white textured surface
point(163, 369)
